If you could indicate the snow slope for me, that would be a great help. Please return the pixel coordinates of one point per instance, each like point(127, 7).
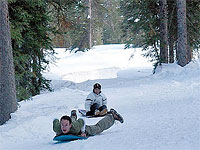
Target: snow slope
point(101, 62)
point(161, 111)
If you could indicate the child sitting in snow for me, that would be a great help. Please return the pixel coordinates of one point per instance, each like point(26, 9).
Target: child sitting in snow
point(96, 101)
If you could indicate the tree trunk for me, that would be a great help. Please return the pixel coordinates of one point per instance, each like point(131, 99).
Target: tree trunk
point(163, 32)
point(171, 50)
point(8, 103)
point(182, 51)
point(189, 52)
point(90, 24)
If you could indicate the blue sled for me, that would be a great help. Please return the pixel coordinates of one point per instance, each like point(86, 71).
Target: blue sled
point(68, 138)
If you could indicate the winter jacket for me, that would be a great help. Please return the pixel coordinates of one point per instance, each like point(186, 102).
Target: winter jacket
point(92, 98)
point(74, 130)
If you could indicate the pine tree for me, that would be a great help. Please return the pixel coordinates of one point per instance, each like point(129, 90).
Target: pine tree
point(141, 27)
point(193, 27)
point(112, 23)
point(80, 30)
point(72, 24)
point(31, 44)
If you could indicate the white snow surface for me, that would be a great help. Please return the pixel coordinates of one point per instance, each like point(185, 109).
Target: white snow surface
point(161, 110)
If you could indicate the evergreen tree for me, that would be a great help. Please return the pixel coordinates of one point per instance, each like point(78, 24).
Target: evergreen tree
point(193, 27)
point(141, 27)
point(77, 26)
point(112, 23)
point(92, 23)
point(31, 44)
point(65, 16)
point(72, 24)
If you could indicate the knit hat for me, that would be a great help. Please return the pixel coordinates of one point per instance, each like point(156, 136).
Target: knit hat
point(97, 85)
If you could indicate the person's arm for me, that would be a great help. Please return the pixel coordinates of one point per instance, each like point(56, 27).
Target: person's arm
point(88, 102)
point(82, 126)
point(83, 129)
point(56, 127)
point(104, 100)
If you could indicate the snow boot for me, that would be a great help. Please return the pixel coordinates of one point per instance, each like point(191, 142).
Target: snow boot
point(116, 115)
point(73, 115)
point(103, 112)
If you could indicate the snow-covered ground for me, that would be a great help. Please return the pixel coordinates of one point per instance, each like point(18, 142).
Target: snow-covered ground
point(102, 62)
point(161, 111)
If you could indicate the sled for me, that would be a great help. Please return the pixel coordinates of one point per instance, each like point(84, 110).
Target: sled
point(83, 113)
point(68, 138)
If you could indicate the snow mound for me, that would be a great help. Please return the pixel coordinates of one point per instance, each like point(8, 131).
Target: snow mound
point(173, 70)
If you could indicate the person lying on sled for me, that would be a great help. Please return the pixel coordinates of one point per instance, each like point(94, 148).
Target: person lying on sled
point(96, 101)
point(70, 125)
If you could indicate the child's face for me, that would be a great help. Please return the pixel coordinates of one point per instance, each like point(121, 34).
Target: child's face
point(97, 91)
point(65, 126)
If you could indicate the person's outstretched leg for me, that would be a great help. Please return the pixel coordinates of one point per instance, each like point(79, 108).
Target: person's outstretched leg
point(102, 125)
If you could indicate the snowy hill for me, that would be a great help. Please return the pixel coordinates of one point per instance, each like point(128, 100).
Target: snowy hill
point(161, 111)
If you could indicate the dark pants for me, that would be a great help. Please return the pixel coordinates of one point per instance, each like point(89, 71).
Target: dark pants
point(94, 107)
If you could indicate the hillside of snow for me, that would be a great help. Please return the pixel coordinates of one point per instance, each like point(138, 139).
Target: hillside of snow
point(161, 110)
